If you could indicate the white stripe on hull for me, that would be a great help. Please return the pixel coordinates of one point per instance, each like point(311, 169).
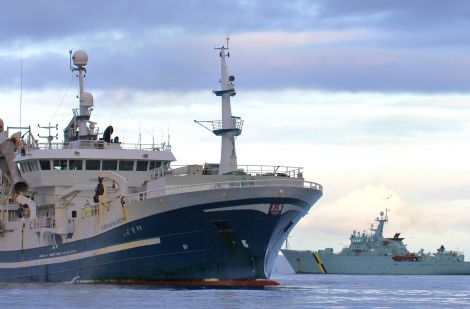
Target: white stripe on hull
point(82, 255)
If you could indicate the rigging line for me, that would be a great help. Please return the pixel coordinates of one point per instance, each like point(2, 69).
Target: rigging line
point(63, 97)
point(21, 82)
point(128, 113)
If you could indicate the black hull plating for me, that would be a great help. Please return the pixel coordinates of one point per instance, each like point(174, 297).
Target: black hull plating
point(193, 244)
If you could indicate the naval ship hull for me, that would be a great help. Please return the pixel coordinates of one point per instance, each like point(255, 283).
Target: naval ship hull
point(308, 262)
point(215, 235)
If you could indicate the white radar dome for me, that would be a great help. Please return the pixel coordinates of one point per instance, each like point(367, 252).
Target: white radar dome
point(80, 58)
point(86, 99)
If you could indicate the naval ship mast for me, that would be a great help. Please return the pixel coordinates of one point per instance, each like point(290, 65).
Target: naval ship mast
point(230, 126)
point(377, 233)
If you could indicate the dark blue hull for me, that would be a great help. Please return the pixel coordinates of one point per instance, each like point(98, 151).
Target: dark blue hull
point(191, 243)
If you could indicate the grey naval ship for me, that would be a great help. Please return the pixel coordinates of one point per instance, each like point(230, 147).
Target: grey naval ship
point(373, 254)
point(92, 209)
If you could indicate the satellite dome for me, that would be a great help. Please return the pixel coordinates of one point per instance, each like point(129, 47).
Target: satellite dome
point(80, 58)
point(86, 99)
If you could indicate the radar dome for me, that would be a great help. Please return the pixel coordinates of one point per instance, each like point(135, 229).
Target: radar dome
point(86, 99)
point(80, 58)
point(381, 213)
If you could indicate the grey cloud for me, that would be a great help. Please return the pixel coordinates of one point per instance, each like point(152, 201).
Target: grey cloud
point(55, 18)
point(394, 14)
point(166, 65)
point(164, 45)
point(39, 20)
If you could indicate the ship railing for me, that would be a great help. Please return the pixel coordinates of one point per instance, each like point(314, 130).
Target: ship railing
point(449, 252)
point(90, 210)
point(249, 183)
point(266, 170)
point(27, 141)
point(249, 170)
point(237, 123)
point(99, 145)
point(43, 222)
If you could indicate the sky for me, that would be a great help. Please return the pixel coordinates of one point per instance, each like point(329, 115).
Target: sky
point(371, 98)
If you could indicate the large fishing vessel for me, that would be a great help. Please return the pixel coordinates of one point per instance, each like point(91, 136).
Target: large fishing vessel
point(91, 209)
point(373, 254)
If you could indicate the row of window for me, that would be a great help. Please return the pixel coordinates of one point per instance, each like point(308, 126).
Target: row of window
point(91, 165)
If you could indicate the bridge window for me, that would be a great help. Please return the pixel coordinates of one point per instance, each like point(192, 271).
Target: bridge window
point(166, 165)
point(45, 164)
point(126, 165)
point(24, 167)
point(75, 165)
point(33, 165)
point(109, 165)
point(92, 165)
point(142, 165)
point(59, 165)
point(12, 215)
point(154, 165)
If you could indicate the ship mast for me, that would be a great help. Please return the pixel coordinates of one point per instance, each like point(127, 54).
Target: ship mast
point(378, 232)
point(228, 131)
point(78, 128)
point(230, 126)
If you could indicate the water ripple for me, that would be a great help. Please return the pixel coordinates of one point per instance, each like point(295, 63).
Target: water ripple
point(296, 291)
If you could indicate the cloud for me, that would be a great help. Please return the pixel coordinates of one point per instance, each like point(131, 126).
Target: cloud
point(323, 45)
point(165, 65)
point(296, 117)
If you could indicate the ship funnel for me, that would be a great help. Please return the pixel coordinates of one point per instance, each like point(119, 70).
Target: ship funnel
point(7, 149)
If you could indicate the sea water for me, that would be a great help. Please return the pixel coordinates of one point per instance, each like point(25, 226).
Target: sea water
point(294, 291)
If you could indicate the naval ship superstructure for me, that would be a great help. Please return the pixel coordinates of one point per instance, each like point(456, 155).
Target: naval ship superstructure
point(374, 254)
point(93, 210)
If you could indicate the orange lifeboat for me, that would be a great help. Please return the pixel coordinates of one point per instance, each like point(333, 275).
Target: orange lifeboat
point(411, 257)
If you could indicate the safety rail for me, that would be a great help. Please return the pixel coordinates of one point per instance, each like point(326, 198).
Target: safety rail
point(43, 222)
point(246, 183)
point(90, 210)
point(250, 170)
point(268, 170)
point(237, 123)
point(100, 145)
point(28, 142)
